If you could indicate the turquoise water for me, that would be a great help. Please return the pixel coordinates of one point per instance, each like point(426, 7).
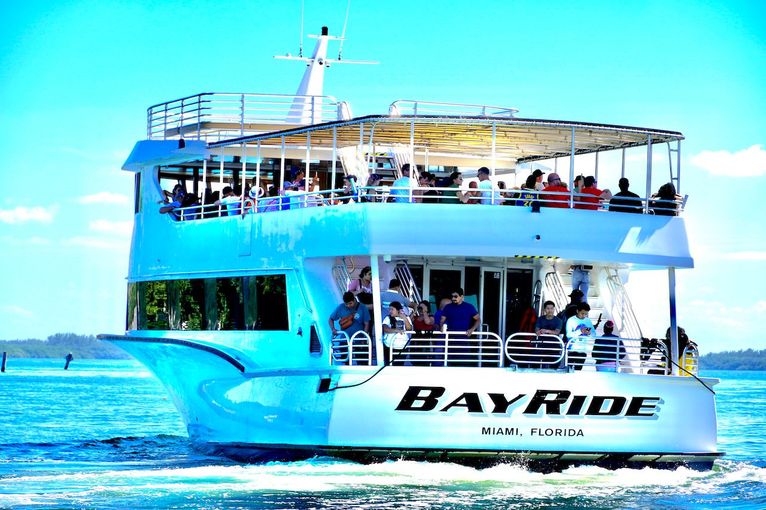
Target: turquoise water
point(104, 435)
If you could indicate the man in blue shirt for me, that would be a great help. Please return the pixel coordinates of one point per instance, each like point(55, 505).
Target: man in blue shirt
point(459, 315)
point(401, 188)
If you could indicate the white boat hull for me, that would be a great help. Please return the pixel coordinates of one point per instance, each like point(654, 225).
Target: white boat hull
point(463, 414)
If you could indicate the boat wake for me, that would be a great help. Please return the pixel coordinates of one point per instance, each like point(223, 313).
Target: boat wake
point(165, 471)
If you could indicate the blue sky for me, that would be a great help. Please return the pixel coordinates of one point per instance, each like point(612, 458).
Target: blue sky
point(76, 78)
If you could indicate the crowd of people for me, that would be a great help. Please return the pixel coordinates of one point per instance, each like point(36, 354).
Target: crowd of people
point(298, 192)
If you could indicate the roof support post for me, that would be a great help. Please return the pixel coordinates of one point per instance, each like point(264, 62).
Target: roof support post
point(306, 186)
point(648, 173)
point(244, 179)
point(282, 171)
point(595, 171)
point(571, 170)
point(377, 325)
point(334, 156)
point(257, 175)
point(204, 178)
point(622, 168)
point(674, 353)
point(678, 167)
point(413, 166)
point(220, 176)
point(494, 160)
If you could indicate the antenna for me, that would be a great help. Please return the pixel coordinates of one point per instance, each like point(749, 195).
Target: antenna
point(343, 34)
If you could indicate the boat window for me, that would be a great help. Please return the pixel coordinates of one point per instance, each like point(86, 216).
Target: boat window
point(231, 304)
point(137, 195)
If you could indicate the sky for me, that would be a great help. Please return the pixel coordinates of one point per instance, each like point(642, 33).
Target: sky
point(76, 78)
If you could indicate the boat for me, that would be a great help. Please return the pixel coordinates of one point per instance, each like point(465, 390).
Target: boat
point(230, 293)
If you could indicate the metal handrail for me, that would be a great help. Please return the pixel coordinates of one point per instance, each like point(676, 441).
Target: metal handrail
point(335, 197)
point(404, 275)
point(190, 116)
point(460, 109)
point(622, 308)
point(555, 286)
point(533, 351)
point(450, 348)
point(350, 350)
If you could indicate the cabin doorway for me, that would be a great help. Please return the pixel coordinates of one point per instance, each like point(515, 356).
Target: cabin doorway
point(518, 298)
point(442, 281)
point(491, 299)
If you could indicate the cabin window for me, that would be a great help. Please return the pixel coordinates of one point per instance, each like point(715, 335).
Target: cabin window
point(137, 195)
point(229, 304)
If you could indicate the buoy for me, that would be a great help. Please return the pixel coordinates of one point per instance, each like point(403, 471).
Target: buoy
point(5, 358)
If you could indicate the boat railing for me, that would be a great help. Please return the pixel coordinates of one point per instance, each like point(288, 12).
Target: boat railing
point(353, 350)
point(407, 107)
point(555, 289)
point(527, 350)
point(615, 354)
point(223, 115)
point(450, 348)
point(364, 194)
point(622, 309)
point(409, 286)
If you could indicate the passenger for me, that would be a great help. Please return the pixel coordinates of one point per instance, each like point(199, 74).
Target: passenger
point(625, 201)
point(297, 175)
point(554, 186)
point(395, 327)
point(579, 329)
point(424, 321)
point(272, 203)
point(608, 350)
point(548, 323)
point(528, 195)
point(431, 195)
point(581, 279)
point(593, 195)
point(443, 302)
point(665, 203)
point(400, 189)
point(488, 195)
point(417, 194)
point(683, 341)
point(350, 190)
point(350, 316)
point(394, 293)
point(362, 288)
point(578, 184)
point(173, 201)
point(575, 298)
point(371, 195)
point(454, 195)
point(538, 174)
point(229, 203)
point(424, 326)
point(473, 195)
point(459, 315)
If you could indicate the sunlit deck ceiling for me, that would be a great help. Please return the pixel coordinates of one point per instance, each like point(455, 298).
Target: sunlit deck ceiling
point(522, 140)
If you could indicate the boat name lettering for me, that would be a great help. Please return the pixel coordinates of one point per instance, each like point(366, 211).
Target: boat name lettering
point(550, 402)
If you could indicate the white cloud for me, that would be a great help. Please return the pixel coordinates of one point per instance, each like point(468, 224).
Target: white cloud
point(750, 162)
point(25, 241)
point(24, 214)
point(104, 197)
point(123, 228)
point(95, 243)
point(746, 255)
point(16, 310)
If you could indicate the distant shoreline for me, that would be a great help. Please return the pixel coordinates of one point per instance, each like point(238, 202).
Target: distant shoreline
point(89, 347)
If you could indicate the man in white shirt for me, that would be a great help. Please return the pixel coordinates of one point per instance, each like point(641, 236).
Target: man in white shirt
point(579, 330)
point(486, 186)
point(403, 183)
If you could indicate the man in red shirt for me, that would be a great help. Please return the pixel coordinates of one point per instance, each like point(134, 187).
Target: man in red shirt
point(594, 195)
point(554, 185)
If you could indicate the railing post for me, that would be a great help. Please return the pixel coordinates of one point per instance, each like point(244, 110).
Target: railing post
point(572, 171)
point(242, 115)
point(165, 123)
point(199, 116)
point(648, 173)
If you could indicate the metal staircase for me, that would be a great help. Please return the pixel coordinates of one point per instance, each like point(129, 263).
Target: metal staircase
point(622, 310)
point(409, 288)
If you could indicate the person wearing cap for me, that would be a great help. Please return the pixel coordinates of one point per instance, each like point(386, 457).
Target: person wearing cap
point(554, 186)
point(538, 175)
point(625, 200)
point(608, 348)
point(575, 298)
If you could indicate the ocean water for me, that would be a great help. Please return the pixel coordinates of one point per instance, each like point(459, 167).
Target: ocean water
point(105, 435)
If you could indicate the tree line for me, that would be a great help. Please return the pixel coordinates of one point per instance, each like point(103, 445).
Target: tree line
point(61, 344)
point(747, 359)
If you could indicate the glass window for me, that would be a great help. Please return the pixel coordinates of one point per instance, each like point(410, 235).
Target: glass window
point(255, 302)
